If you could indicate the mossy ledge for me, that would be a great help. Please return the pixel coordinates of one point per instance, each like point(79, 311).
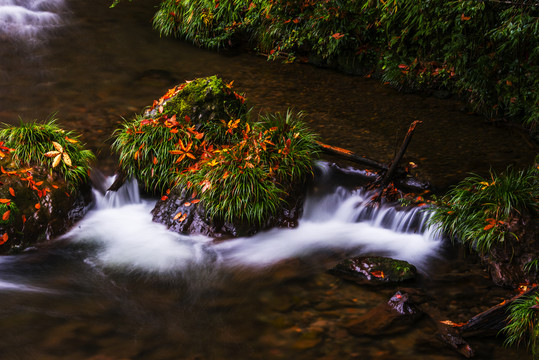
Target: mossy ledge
point(44, 185)
point(217, 171)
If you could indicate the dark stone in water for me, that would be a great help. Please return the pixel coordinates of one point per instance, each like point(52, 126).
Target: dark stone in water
point(389, 318)
point(182, 213)
point(373, 270)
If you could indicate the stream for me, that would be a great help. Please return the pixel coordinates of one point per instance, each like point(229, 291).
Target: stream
point(118, 286)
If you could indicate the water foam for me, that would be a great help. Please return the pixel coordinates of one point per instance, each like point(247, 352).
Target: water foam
point(122, 229)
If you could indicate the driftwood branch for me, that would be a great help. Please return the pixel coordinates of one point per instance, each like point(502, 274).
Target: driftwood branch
point(349, 155)
point(491, 321)
point(395, 163)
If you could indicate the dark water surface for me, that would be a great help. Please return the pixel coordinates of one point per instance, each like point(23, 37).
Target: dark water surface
point(103, 64)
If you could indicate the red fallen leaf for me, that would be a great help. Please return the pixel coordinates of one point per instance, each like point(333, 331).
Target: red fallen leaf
point(5, 201)
point(164, 198)
point(187, 118)
point(37, 206)
point(177, 216)
point(6, 215)
point(451, 323)
point(184, 216)
point(174, 131)
point(3, 239)
point(464, 17)
point(195, 201)
point(403, 66)
point(337, 36)
point(378, 274)
point(12, 192)
point(155, 161)
point(491, 223)
point(295, 21)
point(23, 219)
point(187, 204)
point(55, 186)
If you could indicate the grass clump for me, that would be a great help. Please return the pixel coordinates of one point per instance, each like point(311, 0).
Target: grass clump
point(248, 181)
point(478, 211)
point(523, 323)
point(199, 136)
point(46, 144)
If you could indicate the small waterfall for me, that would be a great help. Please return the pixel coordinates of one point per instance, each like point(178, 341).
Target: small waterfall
point(27, 19)
point(338, 220)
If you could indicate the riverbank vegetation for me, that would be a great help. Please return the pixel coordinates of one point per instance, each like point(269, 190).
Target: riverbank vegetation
point(485, 52)
point(523, 323)
point(480, 212)
point(200, 136)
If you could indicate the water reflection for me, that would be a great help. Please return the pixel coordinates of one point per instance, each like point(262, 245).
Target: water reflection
point(106, 64)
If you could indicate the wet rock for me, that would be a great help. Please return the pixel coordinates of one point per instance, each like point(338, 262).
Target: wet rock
point(389, 318)
point(182, 212)
point(374, 270)
point(514, 261)
point(39, 209)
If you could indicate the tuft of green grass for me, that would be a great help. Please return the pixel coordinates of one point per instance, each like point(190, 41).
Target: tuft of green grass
point(478, 210)
point(523, 323)
point(32, 140)
point(249, 181)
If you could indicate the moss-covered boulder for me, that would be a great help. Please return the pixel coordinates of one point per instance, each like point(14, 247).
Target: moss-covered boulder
point(197, 145)
point(374, 270)
point(44, 185)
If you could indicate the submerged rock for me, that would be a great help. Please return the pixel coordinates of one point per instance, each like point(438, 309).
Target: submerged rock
point(374, 270)
point(388, 318)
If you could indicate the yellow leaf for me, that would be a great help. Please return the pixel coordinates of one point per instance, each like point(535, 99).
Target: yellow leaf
point(51, 153)
point(58, 147)
point(57, 160)
point(67, 159)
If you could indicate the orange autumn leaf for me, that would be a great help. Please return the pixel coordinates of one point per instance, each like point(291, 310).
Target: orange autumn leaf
point(37, 206)
point(378, 274)
point(12, 192)
point(23, 219)
point(464, 17)
point(195, 201)
point(491, 223)
point(177, 216)
point(337, 36)
point(5, 201)
point(3, 239)
point(6, 215)
point(184, 216)
point(164, 198)
point(187, 204)
point(39, 183)
point(155, 161)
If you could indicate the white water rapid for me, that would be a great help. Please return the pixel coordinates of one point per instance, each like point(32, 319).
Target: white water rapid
point(26, 19)
point(339, 221)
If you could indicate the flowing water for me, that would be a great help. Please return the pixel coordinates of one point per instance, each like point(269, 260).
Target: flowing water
point(119, 286)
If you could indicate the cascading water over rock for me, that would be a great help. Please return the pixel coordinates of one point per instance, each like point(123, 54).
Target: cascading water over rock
point(27, 19)
point(339, 220)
